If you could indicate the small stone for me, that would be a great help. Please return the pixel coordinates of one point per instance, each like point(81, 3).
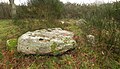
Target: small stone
point(81, 22)
point(91, 38)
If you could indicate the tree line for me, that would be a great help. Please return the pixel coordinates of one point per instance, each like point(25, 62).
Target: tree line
point(33, 9)
point(44, 9)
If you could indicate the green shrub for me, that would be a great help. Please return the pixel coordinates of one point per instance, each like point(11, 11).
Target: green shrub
point(11, 44)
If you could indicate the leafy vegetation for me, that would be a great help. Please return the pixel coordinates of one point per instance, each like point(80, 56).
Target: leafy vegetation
point(11, 43)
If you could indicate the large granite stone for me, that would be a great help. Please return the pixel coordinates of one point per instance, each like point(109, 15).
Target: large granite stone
point(46, 41)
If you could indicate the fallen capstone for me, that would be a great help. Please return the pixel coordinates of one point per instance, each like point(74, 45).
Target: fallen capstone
point(46, 41)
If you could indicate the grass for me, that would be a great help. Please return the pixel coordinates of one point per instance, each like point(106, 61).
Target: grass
point(7, 31)
point(82, 57)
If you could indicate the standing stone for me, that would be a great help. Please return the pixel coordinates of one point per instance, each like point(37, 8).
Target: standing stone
point(46, 41)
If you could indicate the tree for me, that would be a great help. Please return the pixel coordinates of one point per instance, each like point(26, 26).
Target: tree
point(13, 8)
point(45, 8)
point(4, 10)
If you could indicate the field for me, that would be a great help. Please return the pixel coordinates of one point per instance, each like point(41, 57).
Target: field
point(84, 56)
point(101, 21)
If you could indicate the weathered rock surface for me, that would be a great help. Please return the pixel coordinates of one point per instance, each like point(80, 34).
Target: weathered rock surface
point(46, 41)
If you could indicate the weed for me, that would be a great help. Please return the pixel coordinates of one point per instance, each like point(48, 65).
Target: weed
point(11, 44)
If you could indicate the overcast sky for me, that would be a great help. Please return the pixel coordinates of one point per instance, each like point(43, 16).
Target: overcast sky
point(86, 1)
point(64, 1)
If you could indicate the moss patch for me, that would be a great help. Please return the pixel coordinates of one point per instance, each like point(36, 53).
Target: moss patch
point(53, 48)
point(11, 43)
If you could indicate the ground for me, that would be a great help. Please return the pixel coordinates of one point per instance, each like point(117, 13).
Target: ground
point(82, 57)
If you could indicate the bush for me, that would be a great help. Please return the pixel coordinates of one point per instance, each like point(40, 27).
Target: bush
point(11, 44)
